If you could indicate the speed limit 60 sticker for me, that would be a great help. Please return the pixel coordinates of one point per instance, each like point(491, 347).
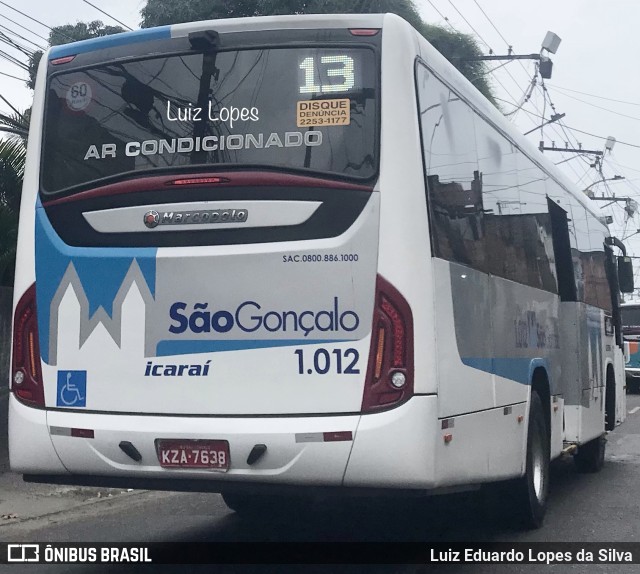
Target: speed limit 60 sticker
point(79, 96)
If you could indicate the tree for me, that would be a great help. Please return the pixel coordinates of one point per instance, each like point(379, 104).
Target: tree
point(13, 149)
point(12, 158)
point(163, 12)
point(70, 33)
point(454, 46)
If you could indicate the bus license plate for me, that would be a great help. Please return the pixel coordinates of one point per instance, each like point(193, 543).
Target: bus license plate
point(181, 453)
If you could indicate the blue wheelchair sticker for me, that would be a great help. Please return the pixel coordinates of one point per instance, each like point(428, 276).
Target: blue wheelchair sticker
point(72, 389)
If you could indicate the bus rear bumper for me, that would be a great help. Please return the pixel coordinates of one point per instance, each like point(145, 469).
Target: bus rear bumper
point(385, 450)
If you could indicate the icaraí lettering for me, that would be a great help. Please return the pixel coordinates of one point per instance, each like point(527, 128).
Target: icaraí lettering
point(158, 370)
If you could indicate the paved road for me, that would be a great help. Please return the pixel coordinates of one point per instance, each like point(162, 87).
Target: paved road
point(21, 501)
point(600, 507)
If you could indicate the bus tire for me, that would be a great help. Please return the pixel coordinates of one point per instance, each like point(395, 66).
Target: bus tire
point(531, 491)
point(590, 455)
point(610, 404)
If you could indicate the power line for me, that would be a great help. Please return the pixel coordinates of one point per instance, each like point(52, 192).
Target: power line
point(11, 106)
point(442, 15)
point(547, 96)
point(580, 177)
point(7, 40)
point(601, 108)
point(13, 60)
point(526, 96)
point(31, 18)
point(509, 45)
point(528, 92)
point(490, 22)
point(625, 166)
point(523, 67)
point(10, 31)
point(470, 26)
point(10, 76)
point(23, 27)
point(602, 137)
point(109, 15)
point(594, 96)
point(458, 32)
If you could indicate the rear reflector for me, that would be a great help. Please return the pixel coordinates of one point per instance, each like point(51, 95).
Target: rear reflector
point(66, 431)
point(64, 60)
point(333, 436)
point(82, 433)
point(364, 31)
point(26, 372)
point(337, 436)
point(389, 380)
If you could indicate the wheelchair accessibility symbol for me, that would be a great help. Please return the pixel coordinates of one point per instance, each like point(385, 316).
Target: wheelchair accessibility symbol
point(72, 389)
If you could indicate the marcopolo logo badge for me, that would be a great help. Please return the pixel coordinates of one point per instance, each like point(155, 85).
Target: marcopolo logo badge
point(153, 218)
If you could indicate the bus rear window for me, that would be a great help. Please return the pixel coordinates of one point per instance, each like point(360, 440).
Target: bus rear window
point(630, 316)
point(306, 108)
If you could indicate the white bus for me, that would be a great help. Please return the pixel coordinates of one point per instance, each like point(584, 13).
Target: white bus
point(631, 331)
point(298, 255)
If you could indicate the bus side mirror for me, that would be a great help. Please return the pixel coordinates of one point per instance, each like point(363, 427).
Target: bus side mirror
point(625, 274)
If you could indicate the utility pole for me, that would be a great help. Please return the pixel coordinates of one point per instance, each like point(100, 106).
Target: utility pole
point(550, 44)
point(553, 147)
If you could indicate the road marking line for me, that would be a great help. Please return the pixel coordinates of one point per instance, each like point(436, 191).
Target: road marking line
point(634, 410)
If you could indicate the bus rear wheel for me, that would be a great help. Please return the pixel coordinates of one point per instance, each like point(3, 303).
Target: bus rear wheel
point(590, 456)
point(531, 491)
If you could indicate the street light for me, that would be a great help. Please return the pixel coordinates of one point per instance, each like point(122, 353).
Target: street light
point(550, 44)
point(590, 193)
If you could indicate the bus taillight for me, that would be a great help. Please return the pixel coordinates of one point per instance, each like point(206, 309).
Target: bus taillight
point(63, 60)
point(26, 372)
point(389, 380)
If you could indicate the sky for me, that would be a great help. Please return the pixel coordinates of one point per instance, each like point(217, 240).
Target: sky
point(595, 80)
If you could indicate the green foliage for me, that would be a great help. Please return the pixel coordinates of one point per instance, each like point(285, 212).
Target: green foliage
point(454, 46)
point(70, 33)
point(13, 151)
point(81, 31)
point(162, 12)
point(16, 124)
point(12, 158)
point(458, 49)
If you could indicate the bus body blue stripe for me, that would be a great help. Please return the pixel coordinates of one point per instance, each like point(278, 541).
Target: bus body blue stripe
point(135, 37)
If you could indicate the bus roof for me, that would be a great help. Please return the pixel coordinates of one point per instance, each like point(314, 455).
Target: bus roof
point(301, 22)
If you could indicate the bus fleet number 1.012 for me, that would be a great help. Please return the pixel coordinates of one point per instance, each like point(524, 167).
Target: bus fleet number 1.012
point(323, 361)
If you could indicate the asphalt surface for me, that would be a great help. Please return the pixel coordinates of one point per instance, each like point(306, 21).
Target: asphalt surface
point(21, 502)
point(583, 508)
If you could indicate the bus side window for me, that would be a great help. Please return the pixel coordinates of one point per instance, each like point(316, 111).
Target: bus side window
point(453, 181)
point(562, 251)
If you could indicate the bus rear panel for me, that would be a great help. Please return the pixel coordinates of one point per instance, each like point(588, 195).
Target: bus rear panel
point(202, 292)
